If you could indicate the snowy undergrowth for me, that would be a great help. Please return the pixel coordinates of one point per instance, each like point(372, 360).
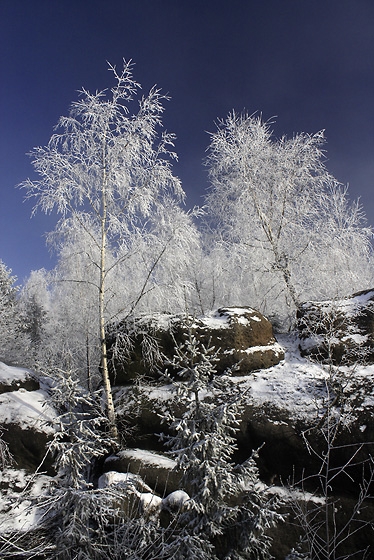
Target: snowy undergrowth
point(21, 492)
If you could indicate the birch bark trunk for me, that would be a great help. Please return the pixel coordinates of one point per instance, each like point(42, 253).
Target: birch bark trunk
point(104, 358)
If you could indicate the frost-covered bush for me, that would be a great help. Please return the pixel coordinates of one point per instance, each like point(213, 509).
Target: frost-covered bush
point(85, 522)
point(81, 438)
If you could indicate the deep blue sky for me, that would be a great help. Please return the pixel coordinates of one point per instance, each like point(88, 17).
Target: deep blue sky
point(309, 62)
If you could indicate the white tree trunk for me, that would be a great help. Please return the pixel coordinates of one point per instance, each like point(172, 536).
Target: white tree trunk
point(104, 358)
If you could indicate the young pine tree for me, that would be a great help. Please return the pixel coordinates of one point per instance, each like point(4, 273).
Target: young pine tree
point(227, 511)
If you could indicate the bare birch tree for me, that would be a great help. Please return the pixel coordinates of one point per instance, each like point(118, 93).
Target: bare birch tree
point(105, 170)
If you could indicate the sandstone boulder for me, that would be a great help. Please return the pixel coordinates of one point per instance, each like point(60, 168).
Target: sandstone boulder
point(156, 470)
point(26, 419)
point(338, 331)
point(242, 335)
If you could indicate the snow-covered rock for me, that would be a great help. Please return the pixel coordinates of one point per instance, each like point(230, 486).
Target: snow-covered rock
point(28, 409)
point(124, 480)
point(280, 405)
point(150, 504)
point(243, 337)
point(26, 417)
point(14, 378)
point(341, 331)
point(175, 501)
point(132, 496)
point(155, 469)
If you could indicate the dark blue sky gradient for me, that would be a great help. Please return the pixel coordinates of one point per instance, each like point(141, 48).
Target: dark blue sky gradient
point(310, 63)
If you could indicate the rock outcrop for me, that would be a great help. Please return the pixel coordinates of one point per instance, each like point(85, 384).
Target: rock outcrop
point(338, 331)
point(282, 407)
point(155, 469)
point(243, 337)
point(13, 379)
point(25, 418)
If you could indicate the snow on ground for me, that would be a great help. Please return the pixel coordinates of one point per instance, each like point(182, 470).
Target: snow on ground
point(295, 384)
point(28, 409)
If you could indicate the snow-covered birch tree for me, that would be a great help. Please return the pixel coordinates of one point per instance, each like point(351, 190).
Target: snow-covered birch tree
point(278, 209)
point(105, 170)
point(8, 301)
point(14, 339)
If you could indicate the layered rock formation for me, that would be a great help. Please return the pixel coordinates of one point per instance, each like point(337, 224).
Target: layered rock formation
point(242, 336)
point(284, 408)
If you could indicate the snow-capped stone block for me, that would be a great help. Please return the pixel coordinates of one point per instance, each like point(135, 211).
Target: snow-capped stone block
point(149, 503)
point(27, 409)
point(156, 470)
point(130, 496)
point(26, 418)
point(340, 331)
point(15, 378)
point(124, 480)
point(242, 336)
point(175, 501)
